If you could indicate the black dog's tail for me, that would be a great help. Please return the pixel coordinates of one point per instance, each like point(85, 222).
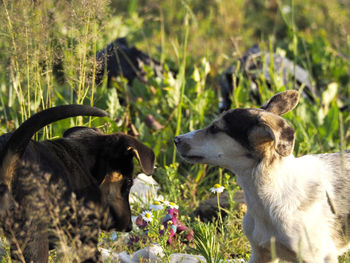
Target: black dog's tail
point(19, 140)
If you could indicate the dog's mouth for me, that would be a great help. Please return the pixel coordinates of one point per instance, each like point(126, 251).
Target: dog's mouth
point(193, 158)
point(117, 222)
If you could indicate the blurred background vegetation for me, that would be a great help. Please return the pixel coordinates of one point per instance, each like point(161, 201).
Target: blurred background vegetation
point(48, 57)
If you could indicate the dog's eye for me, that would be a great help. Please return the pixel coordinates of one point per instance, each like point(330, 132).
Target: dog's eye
point(213, 129)
point(129, 182)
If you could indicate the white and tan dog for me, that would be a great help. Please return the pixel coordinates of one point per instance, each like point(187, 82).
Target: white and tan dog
point(301, 203)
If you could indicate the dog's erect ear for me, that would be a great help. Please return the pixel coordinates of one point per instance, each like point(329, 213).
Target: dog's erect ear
point(278, 132)
point(144, 155)
point(282, 102)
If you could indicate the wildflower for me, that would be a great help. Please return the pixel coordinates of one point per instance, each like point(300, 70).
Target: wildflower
point(152, 235)
point(156, 205)
point(147, 216)
point(217, 188)
point(140, 223)
point(159, 199)
point(172, 205)
point(286, 9)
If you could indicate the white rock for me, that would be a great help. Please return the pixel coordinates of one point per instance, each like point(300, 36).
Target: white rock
point(186, 258)
point(107, 254)
point(150, 254)
point(123, 257)
point(153, 254)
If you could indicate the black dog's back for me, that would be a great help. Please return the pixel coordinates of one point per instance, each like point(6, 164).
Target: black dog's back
point(25, 174)
point(17, 143)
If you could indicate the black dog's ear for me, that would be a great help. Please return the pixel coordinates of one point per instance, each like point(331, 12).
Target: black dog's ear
point(282, 102)
point(77, 130)
point(144, 155)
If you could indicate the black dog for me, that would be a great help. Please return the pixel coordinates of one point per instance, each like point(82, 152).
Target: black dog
point(63, 191)
point(121, 60)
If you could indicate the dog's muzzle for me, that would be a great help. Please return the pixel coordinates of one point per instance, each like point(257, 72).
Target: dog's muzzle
point(182, 146)
point(129, 228)
point(3, 190)
point(184, 149)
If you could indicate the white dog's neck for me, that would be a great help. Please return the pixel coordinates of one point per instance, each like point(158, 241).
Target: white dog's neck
point(276, 187)
point(263, 175)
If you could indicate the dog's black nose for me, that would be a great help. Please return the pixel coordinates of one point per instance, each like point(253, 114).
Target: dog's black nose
point(177, 140)
point(3, 189)
point(129, 228)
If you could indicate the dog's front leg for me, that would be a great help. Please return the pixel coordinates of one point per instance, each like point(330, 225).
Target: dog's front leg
point(259, 254)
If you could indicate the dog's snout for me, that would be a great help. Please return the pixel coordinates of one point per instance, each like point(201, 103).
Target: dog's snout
point(3, 189)
point(177, 140)
point(129, 228)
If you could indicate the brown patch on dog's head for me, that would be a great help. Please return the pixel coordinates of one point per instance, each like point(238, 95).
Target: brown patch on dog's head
point(114, 177)
point(273, 131)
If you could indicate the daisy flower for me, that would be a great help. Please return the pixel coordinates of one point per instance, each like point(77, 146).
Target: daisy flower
point(156, 205)
point(172, 205)
point(217, 188)
point(147, 216)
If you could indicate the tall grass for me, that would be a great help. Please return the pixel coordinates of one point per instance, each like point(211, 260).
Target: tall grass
point(44, 40)
point(181, 82)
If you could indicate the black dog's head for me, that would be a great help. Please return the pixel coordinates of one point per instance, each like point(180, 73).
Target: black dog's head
point(112, 166)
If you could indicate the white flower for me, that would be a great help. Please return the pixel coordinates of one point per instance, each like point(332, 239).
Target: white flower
point(217, 188)
point(156, 205)
point(286, 9)
point(171, 204)
point(147, 216)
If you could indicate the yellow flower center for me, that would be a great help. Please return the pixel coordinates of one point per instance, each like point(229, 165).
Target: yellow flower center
point(156, 203)
point(152, 235)
point(147, 215)
point(171, 203)
point(217, 186)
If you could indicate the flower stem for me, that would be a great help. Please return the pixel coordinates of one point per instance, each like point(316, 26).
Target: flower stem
point(219, 209)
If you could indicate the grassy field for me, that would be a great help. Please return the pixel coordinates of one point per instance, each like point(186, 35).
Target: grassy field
point(47, 58)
